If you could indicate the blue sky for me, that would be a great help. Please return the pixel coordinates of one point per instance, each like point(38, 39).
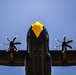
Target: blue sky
point(58, 16)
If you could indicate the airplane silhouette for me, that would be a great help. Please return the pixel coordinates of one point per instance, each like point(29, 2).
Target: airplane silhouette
point(38, 59)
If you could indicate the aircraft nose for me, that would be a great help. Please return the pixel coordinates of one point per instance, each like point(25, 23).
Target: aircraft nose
point(37, 28)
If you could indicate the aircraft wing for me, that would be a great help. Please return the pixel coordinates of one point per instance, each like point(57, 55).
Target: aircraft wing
point(18, 58)
point(63, 59)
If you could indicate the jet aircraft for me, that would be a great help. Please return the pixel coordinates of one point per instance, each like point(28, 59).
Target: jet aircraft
point(38, 58)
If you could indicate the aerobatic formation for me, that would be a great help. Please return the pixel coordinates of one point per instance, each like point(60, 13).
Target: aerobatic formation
point(38, 58)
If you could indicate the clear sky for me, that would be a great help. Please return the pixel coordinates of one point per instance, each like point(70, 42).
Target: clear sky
point(58, 16)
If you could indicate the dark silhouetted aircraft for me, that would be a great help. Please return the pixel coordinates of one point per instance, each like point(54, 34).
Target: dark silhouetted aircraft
point(38, 59)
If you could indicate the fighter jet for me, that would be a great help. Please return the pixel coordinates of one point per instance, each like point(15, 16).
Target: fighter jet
point(38, 58)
